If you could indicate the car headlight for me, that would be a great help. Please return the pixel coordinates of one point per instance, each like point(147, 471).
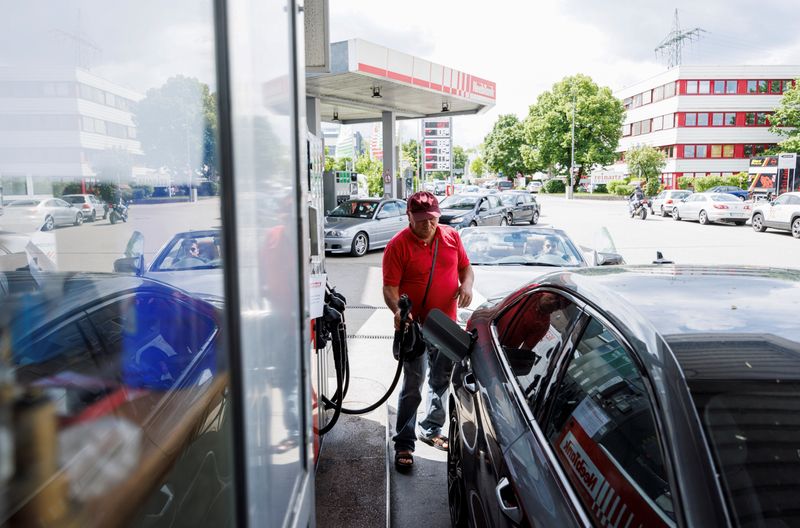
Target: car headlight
point(457, 219)
point(334, 233)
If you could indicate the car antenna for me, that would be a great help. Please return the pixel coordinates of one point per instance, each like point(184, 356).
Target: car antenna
point(661, 260)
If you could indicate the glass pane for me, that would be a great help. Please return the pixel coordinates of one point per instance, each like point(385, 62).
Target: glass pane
point(727, 151)
point(691, 87)
point(669, 89)
point(717, 119)
point(716, 151)
point(691, 119)
point(752, 86)
point(719, 87)
point(704, 87)
point(730, 87)
point(702, 119)
point(730, 119)
point(701, 151)
point(124, 364)
point(688, 151)
point(603, 431)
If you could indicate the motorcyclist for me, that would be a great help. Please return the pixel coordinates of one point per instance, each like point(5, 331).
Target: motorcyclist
point(634, 198)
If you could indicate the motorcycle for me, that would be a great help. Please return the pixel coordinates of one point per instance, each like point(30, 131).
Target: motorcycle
point(117, 212)
point(638, 208)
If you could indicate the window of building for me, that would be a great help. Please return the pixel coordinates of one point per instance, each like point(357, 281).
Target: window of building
point(727, 151)
point(637, 100)
point(719, 87)
point(688, 151)
point(701, 151)
point(761, 118)
point(752, 86)
point(669, 121)
point(646, 126)
point(750, 118)
point(647, 97)
point(670, 151)
point(14, 184)
point(717, 118)
point(669, 90)
point(702, 119)
point(762, 86)
point(730, 119)
point(658, 93)
point(786, 85)
point(691, 87)
point(748, 151)
point(602, 380)
point(626, 130)
point(731, 87)
point(658, 123)
point(775, 87)
point(704, 87)
point(716, 151)
point(637, 128)
point(627, 102)
point(691, 119)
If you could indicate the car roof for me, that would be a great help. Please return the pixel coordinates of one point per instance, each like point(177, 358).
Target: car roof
point(732, 323)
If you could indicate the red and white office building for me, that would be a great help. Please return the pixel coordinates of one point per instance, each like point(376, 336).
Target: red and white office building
point(708, 120)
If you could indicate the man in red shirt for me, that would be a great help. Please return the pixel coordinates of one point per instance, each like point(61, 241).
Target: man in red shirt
point(406, 268)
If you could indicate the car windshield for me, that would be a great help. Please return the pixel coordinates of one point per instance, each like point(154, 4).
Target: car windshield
point(190, 252)
point(508, 199)
point(355, 209)
point(680, 195)
point(723, 197)
point(754, 434)
point(531, 247)
point(24, 203)
point(464, 203)
point(73, 199)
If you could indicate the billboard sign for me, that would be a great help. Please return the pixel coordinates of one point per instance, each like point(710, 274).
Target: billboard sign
point(437, 144)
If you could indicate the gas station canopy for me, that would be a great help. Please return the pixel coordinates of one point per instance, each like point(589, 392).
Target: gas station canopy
point(366, 80)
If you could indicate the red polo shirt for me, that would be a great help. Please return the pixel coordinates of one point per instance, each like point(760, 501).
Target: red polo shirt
point(407, 265)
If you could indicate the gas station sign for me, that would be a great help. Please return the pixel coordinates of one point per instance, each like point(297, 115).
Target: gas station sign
point(437, 144)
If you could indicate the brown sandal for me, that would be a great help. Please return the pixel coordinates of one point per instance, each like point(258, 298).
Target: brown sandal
point(403, 460)
point(439, 441)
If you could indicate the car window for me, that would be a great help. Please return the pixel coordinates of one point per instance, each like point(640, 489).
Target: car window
point(494, 201)
point(401, 207)
point(190, 252)
point(530, 333)
point(51, 203)
point(724, 197)
point(390, 209)
point(73, 199)
point(782, 200)
point(602, 428)
point(794, 200)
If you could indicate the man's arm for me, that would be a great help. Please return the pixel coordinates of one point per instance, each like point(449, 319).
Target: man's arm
point(466, 277)
point(391, 296)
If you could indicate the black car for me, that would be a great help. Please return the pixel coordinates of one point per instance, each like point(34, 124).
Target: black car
point(523, 206)
point(470, 210)
point(579, 401)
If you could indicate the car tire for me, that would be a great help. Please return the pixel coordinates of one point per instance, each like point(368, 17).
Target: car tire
point(758, 223)
point(94, 216)
point(796, 227)
point(535, 218)
point(49, 223)
point(504, 221)
point(78, 219)
point(456, 489)
point(473, 224)
point(360, 244)
point(703, 218)
point(675, 215)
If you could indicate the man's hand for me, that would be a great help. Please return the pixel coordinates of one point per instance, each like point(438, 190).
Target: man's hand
point(397, 319)
point(464, 295)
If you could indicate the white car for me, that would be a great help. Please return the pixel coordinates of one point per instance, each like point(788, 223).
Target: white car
point(24, 216)
point(782, 213)
point(712, 207)
point(534, 186)
point(663, 202)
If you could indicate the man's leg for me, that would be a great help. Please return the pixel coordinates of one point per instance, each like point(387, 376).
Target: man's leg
point(438, 384)
point(407, 404)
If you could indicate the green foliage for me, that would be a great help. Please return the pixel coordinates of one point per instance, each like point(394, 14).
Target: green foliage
point(177, 125)
point(646, 163)
point(741, 180)
point(789, 145)
point(623, 190)
point(598, 123)
point(459, 158)
point(478, 167)
point(554, 186)
point(62, 188)
point(501, 150)
point(613, 184)
point(410, 152)
point(373, 170)
point(601, 188)
point(341, 164)
point(685, 183)
point(785, 121)
point(704, 183)
point(139, 192)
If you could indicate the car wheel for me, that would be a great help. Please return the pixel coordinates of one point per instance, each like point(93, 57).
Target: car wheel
point(49, 223)
point(703, 217)
point(661, 211)
point(796, 227)
point(78, 219)
point(758, 223)
point(504, 221)
point(456, 490)
point(360, 244)
point(535, 217)
point(94, 216)
point(675, 215)
point(473, 224)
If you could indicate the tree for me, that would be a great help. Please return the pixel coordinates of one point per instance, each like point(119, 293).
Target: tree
point(410, 153)
point(459, 158)
point(646, 162)
point(785, 121)
point(598, 123)
point(373, 170)
point(502, 145)
point(177, 126)
point(477, 167)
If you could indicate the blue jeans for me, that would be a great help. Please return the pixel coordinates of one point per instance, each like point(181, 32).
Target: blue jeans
point(411, 396)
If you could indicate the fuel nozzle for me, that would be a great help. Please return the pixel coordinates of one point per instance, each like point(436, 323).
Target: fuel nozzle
point(404, 303)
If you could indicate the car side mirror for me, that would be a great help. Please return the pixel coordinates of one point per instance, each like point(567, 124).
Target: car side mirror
point(609, 259)
point(445, 334)
point(133, 265)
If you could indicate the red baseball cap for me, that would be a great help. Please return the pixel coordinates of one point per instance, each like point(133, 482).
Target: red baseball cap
point(423, 206)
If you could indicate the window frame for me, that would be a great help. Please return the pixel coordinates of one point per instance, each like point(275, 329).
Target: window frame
point(693, 119)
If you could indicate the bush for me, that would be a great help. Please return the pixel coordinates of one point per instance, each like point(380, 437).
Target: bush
point(554, 186)
point(623, 190)
point(141, 192)
point(62, 188)
point(601, 188)
point(613, 184)
point(704, 183)
point(685, 183)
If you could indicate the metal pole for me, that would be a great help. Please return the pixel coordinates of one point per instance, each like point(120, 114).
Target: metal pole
point(572, 155)
point(450, 124)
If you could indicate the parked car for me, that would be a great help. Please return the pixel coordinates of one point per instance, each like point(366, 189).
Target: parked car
point(90, 206)
point(464, 210)
point(783, 213)
point(712, 207)
point(356, 226)
point(577, 401)
point(534, 187)
point(190, 260)
point(522, 206)
point(472, 189)
point(742, 194)
point(40, 214)
point(662, 203)
point(439, 187)
point(504, 185)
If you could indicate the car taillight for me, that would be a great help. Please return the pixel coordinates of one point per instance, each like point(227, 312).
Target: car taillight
point(720, 206)
point(669, 201)
point(747, 207)
point(87, 206)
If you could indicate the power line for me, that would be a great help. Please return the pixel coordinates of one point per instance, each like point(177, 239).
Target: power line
point(672, 45)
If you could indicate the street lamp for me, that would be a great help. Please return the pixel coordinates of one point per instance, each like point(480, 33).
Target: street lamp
point(572, 153)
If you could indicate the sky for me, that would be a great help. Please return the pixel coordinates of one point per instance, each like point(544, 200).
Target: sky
point(526, 46)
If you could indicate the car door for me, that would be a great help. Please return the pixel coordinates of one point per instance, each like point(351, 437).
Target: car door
point(525, 207)
point(779, 212)
point(528, 336)
point(482, 213)
point(384, 222)
point(496, 210)
point(56, 210)
point(691, 208)
point(658, 201)
point(599, 422)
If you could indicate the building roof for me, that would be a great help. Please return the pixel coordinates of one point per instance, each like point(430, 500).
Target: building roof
point(409, 86)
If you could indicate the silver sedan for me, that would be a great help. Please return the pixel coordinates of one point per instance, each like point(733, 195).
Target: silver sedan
point(712, 207)
point(35, 214)
point(356, 226)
